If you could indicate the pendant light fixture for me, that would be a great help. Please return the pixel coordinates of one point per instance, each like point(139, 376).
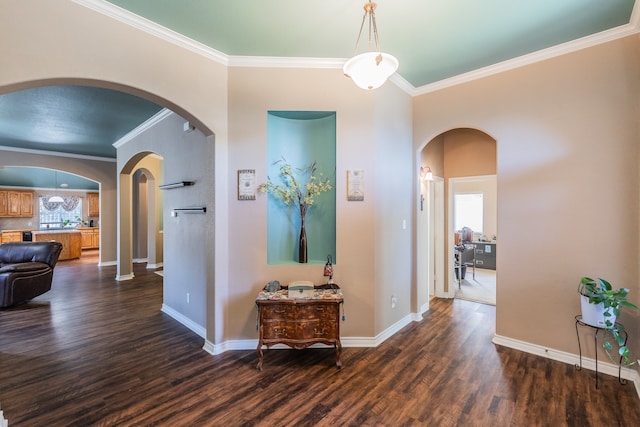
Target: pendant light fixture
point(56, 198)
point(371, 69)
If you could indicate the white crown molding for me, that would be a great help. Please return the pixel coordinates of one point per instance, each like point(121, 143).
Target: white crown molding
point(129, 18)
point(152, 121)
point(56, 154)
point(285, 62)
point(541, 55)
point(168, 35)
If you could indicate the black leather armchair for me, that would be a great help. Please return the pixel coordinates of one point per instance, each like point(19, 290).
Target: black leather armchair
point(26, 270)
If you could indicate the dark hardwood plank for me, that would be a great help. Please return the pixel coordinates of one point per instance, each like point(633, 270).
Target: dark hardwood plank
point(95, 352)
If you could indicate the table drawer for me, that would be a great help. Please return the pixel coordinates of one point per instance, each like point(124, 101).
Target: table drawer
point(314, 329)
point(274, 329)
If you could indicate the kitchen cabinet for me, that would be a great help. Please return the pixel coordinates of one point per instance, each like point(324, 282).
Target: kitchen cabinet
point(26, 204)
point(90, 237)
point(71, 242)
point(94, 204)
point(11, 236)
point(4, 203)
point(14, 203)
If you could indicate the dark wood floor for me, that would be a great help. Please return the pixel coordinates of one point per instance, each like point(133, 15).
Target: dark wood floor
point(96, 352)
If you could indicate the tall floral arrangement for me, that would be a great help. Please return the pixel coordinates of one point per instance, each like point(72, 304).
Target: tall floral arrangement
point(299, 187)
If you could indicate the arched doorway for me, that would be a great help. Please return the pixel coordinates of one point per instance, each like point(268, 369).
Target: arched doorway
point(147, 217)
point(454, 154)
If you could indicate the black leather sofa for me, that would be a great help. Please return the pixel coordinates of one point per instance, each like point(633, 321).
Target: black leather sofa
point(26, 270)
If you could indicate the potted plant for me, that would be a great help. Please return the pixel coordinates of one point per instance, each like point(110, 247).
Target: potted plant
point(600, 305)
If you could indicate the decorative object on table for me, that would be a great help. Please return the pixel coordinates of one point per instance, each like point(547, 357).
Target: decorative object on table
point(600, 305)
point(328, 269)
point(272, 286)
point(246, 184)
point(355, 186)
point(300, 187)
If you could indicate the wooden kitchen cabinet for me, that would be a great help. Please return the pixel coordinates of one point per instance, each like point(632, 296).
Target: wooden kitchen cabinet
point(300, 323)
point(94, 204)
point(26, 204)
point(71, 242)
point(11, 236)
point(4, 203)
point(14, 203)
point(90, 237)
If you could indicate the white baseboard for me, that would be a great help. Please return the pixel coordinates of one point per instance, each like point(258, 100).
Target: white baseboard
point(417, 317)
point(569, 358)
point(139, 260)
point(3, 421)
point(123, 277)
point(199, 330)
point(107, 263)
point(364, 342)
point(153, 266)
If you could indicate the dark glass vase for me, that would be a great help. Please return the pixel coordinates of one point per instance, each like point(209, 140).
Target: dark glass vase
point(302, 244)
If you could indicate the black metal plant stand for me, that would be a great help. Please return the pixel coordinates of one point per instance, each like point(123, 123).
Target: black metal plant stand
point(597, 329)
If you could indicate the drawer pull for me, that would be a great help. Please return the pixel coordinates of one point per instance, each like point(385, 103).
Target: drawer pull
point(319, 332)
point(279, 311)
point(280, 332)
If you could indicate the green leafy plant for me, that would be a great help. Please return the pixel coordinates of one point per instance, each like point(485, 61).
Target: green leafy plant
point(601, 292)
point(299, 187)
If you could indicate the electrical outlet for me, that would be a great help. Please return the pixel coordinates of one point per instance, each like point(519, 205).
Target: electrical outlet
point(394, 301)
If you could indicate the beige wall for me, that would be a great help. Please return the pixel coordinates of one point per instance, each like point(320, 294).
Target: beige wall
point(567, 168)
point(369, 264)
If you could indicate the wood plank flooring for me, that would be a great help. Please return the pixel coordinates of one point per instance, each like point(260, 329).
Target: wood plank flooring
point(95, 352)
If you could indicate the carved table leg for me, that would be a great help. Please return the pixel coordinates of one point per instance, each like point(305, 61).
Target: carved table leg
point(338, 352)
point(260, 356)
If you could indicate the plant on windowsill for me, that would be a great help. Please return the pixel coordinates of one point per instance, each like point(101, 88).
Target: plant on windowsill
point(600, 307)
point(300, 187)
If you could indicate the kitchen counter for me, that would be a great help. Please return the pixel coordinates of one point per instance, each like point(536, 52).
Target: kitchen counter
point(71, 240)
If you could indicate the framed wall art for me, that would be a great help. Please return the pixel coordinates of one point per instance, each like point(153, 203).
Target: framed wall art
point(246, 184)
point(355, 185)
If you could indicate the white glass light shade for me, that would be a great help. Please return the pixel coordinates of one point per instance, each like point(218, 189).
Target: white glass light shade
point(371, 69)
point(56, 199)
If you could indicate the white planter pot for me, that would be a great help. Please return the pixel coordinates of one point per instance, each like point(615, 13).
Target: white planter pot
point(593, 314)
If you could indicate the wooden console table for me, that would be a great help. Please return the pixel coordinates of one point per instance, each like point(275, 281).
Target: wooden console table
point(299, 322)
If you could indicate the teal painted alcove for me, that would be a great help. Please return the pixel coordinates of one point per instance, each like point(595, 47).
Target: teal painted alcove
point(301, 137)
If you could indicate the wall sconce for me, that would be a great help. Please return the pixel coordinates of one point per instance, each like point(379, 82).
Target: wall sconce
point(426, 174)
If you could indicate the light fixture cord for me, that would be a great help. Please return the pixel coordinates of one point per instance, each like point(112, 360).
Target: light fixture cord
point(369, 10)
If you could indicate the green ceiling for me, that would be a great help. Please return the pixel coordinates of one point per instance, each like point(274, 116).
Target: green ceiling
point(432, 39)
point(71, 119)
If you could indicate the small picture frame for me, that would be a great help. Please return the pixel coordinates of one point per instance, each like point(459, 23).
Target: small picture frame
point(246, 184)
point(355, 185)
